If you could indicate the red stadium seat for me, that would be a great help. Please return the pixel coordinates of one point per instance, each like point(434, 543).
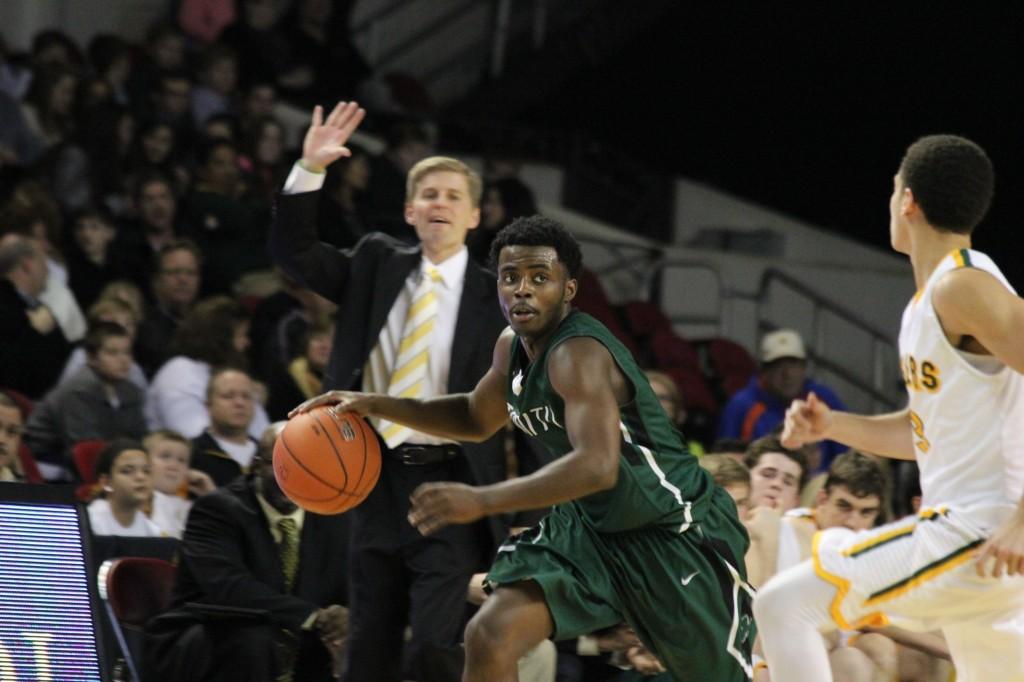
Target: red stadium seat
point(28, 465)
point(133, 590)
point(85, 454)
point(591, 299)
point(732, 363)
point(25, 403)
point(645, 319)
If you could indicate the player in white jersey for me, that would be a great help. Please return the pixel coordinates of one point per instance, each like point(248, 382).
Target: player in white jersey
point(959, 565)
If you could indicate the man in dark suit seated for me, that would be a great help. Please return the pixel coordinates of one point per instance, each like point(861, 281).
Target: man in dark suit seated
point(276, 572)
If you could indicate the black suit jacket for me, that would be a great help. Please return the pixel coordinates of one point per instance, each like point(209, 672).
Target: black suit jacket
point(228, 557)
point(30, 362)
point(365, 281)
point(208, 456)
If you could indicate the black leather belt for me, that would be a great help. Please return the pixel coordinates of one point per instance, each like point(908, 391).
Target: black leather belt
point(418, 455)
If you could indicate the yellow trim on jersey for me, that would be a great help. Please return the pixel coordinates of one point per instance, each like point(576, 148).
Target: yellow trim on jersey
point(958, 258)
point(861, 547)
point(842, 585)
point(961, 556)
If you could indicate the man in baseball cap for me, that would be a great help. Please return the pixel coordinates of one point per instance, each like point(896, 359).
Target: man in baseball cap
point(761, 406)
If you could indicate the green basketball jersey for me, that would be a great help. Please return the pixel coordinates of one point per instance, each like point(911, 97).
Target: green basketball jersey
point(659, 483)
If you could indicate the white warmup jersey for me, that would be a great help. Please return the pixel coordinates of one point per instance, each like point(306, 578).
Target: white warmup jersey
point(967, 411)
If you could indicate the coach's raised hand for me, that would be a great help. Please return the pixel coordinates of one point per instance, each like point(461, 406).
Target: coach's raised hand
point(325, 140)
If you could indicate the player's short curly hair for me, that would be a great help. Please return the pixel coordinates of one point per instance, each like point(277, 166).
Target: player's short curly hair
point(952, 179)
point(536, 230)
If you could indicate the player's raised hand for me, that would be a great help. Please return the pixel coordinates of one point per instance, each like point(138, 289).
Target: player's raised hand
point(436, 505)
point(1005, 548)
point(325, 140)
point(807, 421)
point(343, 401)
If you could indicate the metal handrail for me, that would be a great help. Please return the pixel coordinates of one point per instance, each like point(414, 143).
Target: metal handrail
point(640, 270)
point(880, 340)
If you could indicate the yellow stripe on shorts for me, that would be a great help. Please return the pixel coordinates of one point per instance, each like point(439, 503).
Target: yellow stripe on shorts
point(924, 574)
point(842, 585)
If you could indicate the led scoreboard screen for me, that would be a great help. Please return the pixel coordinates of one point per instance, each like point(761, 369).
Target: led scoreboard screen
point(47, 622)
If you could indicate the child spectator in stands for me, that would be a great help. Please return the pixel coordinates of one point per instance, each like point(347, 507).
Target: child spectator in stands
point(173, 481)
point(504, 200)
point(214, 334)
point(671, 401)
point(731, 475)
point(98, 402)
point(302, 378)
point(123, 472)
point(11, 424)
point(130, 295)
point(119, 313)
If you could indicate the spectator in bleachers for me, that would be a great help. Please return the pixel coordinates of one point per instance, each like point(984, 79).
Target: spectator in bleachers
point(130, 295)
point(248, 546)
point(280, 323)
point(175, 286)
point(162, 50)
point(218, 84)
point(28, 329)
point(225, 448)
point(51, 47)
point(93, 261)
point(19, 146)
point(505, 199)
point(302, 378)
point(672, 402)
point(755, 410)
point(49, 105)
point(171, 103)
point(343, 216)
point(261, 47)
point(203, 20)
point(154, 155)
point(222, 126)
point(173, 481)
point(264, 159)
point(732, 476)
point(408, 142)
point(777, 474)
point(228, 222)
point(119, 313)
point(214, 334)
point(122, 470)
point(155, 225)
point(111, 59)
point(98, 402)
point(12, 422)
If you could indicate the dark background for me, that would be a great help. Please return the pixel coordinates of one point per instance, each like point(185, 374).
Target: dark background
point(809, 109)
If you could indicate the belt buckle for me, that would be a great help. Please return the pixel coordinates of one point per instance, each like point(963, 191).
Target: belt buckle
point(411, 454)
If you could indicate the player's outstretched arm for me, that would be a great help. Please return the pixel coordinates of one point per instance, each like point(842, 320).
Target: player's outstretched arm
point(473, 417)
point(811, 420)
point(581, 371)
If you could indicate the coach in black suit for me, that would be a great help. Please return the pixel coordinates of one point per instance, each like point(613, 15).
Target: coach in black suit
point(399, 576)
point(236, 553)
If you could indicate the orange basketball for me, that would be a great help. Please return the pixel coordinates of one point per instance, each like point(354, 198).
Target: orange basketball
point(327, 462)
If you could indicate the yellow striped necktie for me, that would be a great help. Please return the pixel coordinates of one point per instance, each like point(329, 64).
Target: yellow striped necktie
point(412, 359)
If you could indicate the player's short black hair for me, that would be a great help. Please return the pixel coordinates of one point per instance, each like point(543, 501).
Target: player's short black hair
point(536, 230)
point(952, 180)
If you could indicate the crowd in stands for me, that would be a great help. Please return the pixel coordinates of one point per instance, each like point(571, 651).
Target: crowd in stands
point(146, 343)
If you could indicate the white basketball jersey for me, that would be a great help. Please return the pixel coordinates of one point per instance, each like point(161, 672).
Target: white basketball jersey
point(967, 410)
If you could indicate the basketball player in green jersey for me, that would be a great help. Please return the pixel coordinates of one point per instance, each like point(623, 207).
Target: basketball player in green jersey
point(638, 532)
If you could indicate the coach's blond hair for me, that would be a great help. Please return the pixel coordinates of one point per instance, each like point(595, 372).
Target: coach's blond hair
point(435, 164)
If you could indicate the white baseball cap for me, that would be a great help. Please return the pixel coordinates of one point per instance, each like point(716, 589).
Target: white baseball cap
point(782, 343)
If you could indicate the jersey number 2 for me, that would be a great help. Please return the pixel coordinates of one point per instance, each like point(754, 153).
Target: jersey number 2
point(920, 442)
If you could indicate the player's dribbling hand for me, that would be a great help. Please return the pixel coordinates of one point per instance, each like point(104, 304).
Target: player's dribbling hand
point(343, 401)
point(1005, 548)
point(807, 421)
point(325, 140)
point(436, 505)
